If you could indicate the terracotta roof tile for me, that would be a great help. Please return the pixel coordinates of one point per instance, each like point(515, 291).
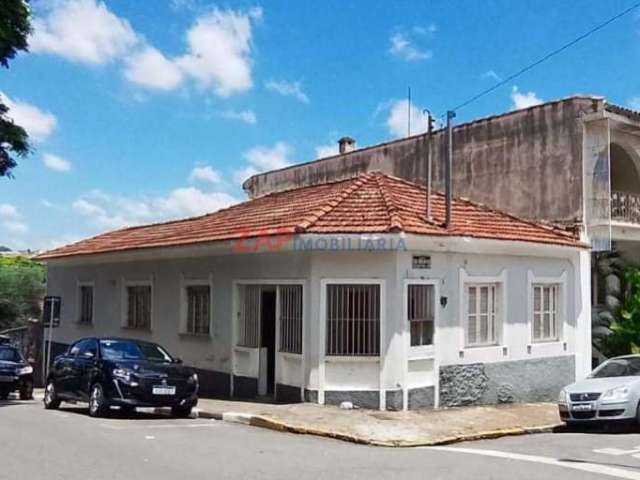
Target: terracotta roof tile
point(369, 203)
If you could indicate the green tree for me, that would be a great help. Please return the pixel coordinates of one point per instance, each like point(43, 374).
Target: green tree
point(22, 286)
point(15, 26)
point(625, 329)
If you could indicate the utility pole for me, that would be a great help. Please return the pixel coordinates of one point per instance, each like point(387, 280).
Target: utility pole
point(409, 112)
point(448, 167)
point(430, 121)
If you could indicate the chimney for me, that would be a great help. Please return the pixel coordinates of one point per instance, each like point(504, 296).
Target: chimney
point(346, 145)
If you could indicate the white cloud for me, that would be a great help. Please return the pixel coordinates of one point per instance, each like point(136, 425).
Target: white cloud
point(634, 103)
point(204, 174)
point(219, 51)
point(11, 220)
point(329, 150)
point(246, 116)
point(105, 211)
point(15, 227)
point(492, 75)
point(83, 31)
point(262, 158)
point(397, 121)
point(288, 89)
point(38, 123)
point(403, 47)
point(523, 100)
point(8, 212)
point(56, 163)
point(151, 69)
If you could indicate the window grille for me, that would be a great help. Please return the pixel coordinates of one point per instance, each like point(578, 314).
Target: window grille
point(250, 306)
point(420, 311)
point(482, 315)
point(353, 320)
point(198, 309)
point(291, 318)
point(139, 307)
point(545, 312)
point(86, 305)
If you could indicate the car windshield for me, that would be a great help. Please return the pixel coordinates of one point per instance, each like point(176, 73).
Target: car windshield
point(129, 350)
point(618, 367)
point(9, 355)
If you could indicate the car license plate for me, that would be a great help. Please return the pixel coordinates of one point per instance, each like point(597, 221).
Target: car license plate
point(582, 408)
point(163, 390)
point(5, 378)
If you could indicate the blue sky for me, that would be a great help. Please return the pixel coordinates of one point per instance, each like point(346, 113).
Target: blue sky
point(143, 111)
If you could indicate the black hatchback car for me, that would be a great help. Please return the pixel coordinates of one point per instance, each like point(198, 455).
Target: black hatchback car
point(127, 373)
point(15, 373)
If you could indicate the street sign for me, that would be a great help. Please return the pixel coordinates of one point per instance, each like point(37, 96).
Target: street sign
point(51, 312)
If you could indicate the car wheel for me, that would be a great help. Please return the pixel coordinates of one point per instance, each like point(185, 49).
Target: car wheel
point(26, 392)
point(638, 415)
point(51, 400)
point(98, 406)
point(181, 412)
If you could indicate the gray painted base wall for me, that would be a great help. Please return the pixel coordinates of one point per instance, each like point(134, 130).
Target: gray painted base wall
point(535, 380)
point(287, 393)
point(420, 398)
point(362, 399)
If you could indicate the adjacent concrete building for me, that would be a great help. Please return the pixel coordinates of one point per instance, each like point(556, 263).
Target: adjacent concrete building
point(572, 162)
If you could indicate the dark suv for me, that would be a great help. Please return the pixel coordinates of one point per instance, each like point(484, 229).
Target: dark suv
point(15, 373)
point(121, 372)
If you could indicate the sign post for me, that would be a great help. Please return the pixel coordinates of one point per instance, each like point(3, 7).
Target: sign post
point(50, 320)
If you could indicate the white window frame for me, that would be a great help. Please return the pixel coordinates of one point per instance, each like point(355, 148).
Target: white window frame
point(186, 282)
point(124, 323)
point(421, 351)
point(561, 314)
point(79, 285)
point(500, 281)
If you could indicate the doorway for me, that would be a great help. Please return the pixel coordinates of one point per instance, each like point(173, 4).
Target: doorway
point(268, 334)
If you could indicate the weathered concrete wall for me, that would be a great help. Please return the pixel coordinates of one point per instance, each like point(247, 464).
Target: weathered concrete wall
point(536, 380)
point(526, 162)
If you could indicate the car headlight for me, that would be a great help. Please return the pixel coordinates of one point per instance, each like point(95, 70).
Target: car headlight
point(193, 379)
point(25, 370)
point(562, 398)
point(122, 374)
point(618, 394)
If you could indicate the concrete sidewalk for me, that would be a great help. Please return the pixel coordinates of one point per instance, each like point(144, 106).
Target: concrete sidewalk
point(392, 429)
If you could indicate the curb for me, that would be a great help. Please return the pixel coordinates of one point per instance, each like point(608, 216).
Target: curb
point(276, 425)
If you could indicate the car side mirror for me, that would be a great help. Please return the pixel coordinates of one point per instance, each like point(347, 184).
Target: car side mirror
point(177, 360)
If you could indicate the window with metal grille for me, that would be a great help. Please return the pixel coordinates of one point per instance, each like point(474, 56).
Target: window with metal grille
point(139, 307)
point(545, 312)
point(291, 318)
point(86, 304)
point(353, 320)
point(198, 309)
point(420, 312)
point(249, 324)
point(482, 318)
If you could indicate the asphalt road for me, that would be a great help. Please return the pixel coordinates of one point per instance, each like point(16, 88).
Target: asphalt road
point(68, 444)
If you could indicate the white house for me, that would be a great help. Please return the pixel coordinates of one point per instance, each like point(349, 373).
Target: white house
point(343, 291)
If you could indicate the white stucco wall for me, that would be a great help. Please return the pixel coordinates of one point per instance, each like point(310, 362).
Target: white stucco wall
point(391, 268)
point(211, 352)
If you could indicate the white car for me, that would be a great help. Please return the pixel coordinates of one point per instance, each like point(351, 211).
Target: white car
point(610, 392)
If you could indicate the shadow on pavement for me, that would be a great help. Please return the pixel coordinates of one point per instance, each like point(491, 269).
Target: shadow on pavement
point(605, 428)
point(116, 414)
point(14, 401)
